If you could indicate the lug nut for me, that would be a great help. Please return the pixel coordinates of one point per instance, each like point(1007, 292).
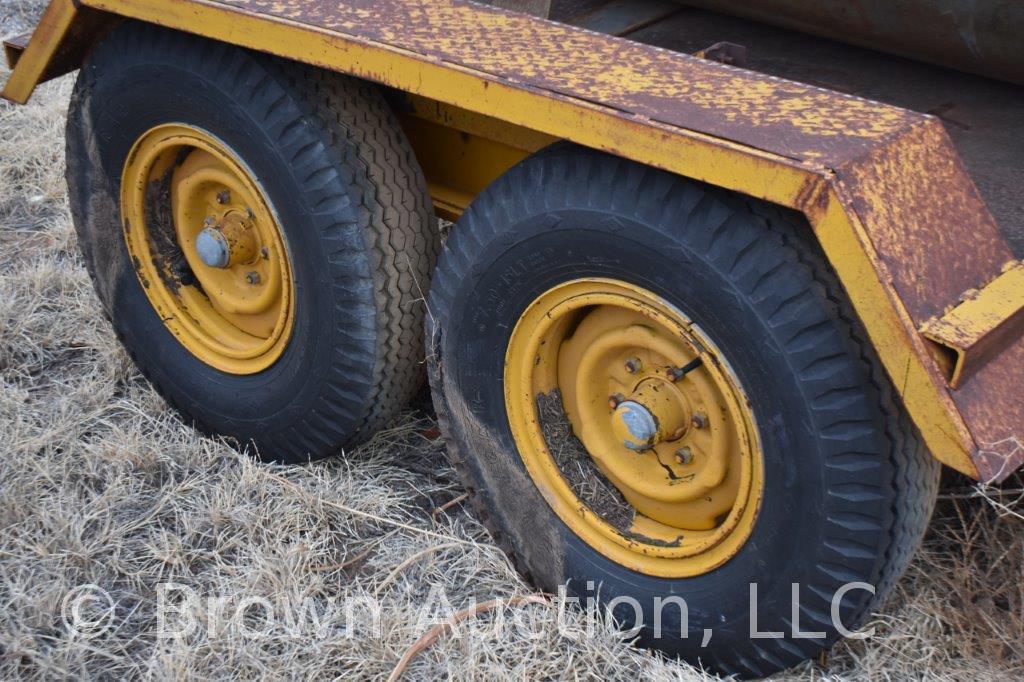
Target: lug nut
point(249, 212)
point(265, 252)
point(633, 365)
point(684, 456)
point(253, 277)
point(677, 373)
point(699, 420)
point(223, 197)
point(209, 221)
point(615, 399)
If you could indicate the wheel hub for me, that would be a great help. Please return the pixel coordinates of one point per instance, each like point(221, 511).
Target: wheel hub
point(654, 413)
point(634, 425)
point(184, 193)
point(657, 410)
point(230, 242)
point(213, 249)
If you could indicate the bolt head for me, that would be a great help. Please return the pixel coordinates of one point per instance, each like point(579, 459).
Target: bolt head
point(615, 399)
point(223, 197)
point(633, 365)
point(684, 456)
point(264, 252)
point(699, 420)
point(252, 277)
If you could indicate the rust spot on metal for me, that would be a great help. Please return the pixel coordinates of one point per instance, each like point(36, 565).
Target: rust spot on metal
point(813, 197)
point(927, 220)
point(787, 118)
point(935, 239)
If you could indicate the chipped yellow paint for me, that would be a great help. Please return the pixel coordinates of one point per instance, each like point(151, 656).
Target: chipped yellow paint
point(861, 171)
point(887, 322)
point(979, 327)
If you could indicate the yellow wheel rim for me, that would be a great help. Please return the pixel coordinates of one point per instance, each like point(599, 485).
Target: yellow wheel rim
point(208, 248)
point(633, 427)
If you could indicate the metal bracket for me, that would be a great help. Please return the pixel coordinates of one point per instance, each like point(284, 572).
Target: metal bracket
point(979, 326)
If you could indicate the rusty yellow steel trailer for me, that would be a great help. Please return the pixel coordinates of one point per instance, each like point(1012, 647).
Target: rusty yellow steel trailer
point(889, 199)
point(478, 89)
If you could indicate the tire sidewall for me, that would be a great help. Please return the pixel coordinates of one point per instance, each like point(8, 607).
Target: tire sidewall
point(541, 251)
point(132, 97)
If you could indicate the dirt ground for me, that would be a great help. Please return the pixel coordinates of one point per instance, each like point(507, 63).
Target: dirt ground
point(101, 484)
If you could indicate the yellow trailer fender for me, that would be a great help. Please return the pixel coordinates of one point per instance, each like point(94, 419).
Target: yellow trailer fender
point(883, 188)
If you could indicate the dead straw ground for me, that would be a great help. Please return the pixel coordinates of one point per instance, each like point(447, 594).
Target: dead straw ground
point(101, 483)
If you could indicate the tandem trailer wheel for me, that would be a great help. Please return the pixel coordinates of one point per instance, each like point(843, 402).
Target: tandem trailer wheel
point(260, 235)
point(657, 391)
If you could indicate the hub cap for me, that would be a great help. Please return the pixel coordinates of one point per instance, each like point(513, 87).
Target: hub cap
point(213, 249)
point(634, 425)
point(656, 414)
point(208, 248)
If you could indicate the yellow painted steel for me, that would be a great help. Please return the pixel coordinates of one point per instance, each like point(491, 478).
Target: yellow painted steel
point(179, 181)
point(55, 23)
point(708, 158)
point(842, 239)
point(976, 328)
point(605, 347)
point(462, 152)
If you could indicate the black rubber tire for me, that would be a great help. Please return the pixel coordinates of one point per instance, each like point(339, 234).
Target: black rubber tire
point(848, 488)
point(353, 205)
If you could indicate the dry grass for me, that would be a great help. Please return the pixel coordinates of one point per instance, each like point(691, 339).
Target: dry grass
point(100, 483)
